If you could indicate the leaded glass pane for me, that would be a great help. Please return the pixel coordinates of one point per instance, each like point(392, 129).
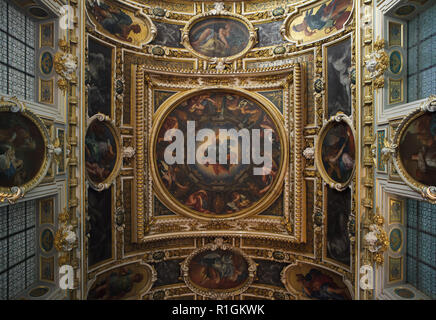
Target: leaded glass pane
point(16, 279)
point(17, 54)
point(31, 213)
point(3, 254)
point(17, 217)
point(30, 242)
point(17, 248)
point(31, 271)
point(3, 286)
point(30, 60)
point(30, 87)
point(17, 23)
point(3, 221)
point(30, 33)
point(3, 15)
point(3, 47)
point(16, 83)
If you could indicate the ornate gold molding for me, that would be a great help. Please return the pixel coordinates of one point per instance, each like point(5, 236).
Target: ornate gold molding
point(119, 152)
point(218, 244)
point(219, 11)
point(427, 192)
point(16, 192)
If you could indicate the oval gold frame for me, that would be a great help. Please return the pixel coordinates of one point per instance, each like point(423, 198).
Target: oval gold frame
point(218, 244)
point(252, 34)
point(16, 192)
point(426, 191)
point(339, 117)
point(105, 184)
point(166, 198)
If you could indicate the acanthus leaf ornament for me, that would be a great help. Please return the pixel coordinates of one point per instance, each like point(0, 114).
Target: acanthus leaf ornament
point(65, 238)
point(376, 64)
point(65, 65)
point(377, 239)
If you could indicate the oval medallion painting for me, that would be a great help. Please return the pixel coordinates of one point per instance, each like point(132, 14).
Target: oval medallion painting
point(218, 269)
point(47, 240)
point(417, 148)
point(22, 150)
point(218, 154)
point(395, 62)
point(338, 152)
point(219, 37)
point(100, 151)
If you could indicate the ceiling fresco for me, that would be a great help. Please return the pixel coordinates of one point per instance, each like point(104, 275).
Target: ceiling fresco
point(209, 229)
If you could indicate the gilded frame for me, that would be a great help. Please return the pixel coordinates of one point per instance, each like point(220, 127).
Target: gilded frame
point(138, 12)
point(339, 117)
point(50, 42)
point(117, 167)
point(49, 260)
point(14, 193)
point(427, 192)
point(299, 10)
point(168, 200)
point(284, 277)
point(51, 219)
point(390, 260)
point(218, 293)
point(252, 34)
point(390, 82)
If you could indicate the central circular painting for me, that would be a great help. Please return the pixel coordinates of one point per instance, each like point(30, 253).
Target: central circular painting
point(218, 153)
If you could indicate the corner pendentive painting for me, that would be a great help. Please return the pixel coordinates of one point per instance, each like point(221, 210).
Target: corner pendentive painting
point(417, 148)
point(225, 182)
point(123, 25)
point(101, 151)
point(22, 149)
point(318, 21)
point(312, 282)
point(122, 283)
point(219, 37)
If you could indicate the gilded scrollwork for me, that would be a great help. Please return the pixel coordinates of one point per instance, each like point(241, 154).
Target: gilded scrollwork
point(14, 193)
point(219, 12)
point(320, 157)
point(428, 192)
point(118, 153)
